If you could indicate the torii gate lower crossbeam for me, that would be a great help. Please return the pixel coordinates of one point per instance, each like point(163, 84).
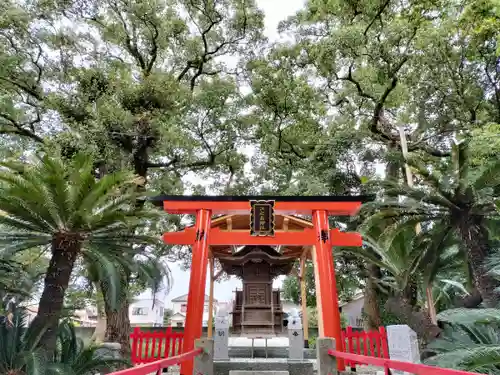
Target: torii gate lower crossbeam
point(320, 237)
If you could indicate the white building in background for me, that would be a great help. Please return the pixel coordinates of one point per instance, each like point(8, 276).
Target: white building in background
point(81, 318)
point(179, 309)
point(146, 312)
point(353, 310)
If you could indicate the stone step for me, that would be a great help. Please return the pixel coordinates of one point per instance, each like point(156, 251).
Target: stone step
point(245, 372)
point(272, 352)
point(305, 367)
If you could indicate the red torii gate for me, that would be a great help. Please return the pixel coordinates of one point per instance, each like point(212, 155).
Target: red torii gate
point(322, 238)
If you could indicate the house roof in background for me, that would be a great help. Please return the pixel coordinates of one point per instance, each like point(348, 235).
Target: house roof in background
point(355, 298)
point(184, 298)
point(178, 315)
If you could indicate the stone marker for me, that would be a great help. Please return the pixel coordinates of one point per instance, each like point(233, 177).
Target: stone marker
point(204, 363)
point(108, 350)
point(403, 345)
point(327, 365)
point(221, 335)
point(295, 337)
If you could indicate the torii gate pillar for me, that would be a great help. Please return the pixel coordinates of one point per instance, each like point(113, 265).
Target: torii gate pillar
point(326, 284)
point(197, 281)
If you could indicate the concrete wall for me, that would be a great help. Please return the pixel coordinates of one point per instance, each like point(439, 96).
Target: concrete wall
point(353, 312)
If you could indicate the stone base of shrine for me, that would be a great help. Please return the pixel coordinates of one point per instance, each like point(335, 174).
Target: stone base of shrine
point(305, 367)
point(260, 352)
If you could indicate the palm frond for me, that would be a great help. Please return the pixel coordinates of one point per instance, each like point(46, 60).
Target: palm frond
point(488, 176)
point(470, 316)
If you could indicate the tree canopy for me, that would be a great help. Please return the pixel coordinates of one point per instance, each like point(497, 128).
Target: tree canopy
point(189, 96)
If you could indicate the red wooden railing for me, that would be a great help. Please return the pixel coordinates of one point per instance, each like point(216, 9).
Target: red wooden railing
point(413, 368)
point(149, 346)
point(158, 366)
point(366, 343)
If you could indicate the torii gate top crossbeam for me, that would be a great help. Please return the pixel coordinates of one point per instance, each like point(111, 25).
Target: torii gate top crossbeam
point(303, 205)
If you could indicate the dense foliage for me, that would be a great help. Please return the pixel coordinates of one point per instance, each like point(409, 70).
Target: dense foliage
point(19, 354)
point(105, 102)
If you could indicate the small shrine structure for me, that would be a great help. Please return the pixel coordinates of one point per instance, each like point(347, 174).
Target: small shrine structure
point(257, 309)
point(258, 238)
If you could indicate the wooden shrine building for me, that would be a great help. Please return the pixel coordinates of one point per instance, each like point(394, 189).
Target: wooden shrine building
point(258, 239)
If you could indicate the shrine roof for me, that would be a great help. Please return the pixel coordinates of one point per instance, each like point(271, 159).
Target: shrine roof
point(279, 264)
point(242, 223)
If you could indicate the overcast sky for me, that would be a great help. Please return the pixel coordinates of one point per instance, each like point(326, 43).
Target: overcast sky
point(275, 11)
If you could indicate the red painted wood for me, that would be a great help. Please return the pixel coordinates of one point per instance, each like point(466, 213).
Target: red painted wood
point(280, 207)
point(148, 346)
point(147, 356)
point(167, 342)
point(366, 343)
point(197, 281)
point(158, 366)
point(134, 337)
point(348, 334)
point(377, 344)
point(220, 237)
point(385, 347)
point(160, 343)
point(359, 336)
point(412, 368)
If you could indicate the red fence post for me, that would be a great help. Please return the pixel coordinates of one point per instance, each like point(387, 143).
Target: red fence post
point(367, 343)
point(385, 348)
point(408, 367)
point(168, 336)
point(149, 347)
point(147, 357)
point(348, 333)
point(135, 343)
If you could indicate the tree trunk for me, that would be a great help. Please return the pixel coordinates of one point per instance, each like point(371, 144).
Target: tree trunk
point(476, 239)
point(418, 320)
point(100, 329)
point(118, 327)
point(65, 250)
point(371, 305)
point(371, 302)
point(472, 301)
point(117, 319)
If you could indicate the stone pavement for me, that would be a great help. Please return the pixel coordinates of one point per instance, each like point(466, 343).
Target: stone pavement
point(360, 370)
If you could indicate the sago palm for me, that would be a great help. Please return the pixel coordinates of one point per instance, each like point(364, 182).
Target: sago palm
point(12, 287)
point(399, 255)
point(60, 204)
point(454, 202)
point(470, 341)
point(105, 277)
point(20, 355)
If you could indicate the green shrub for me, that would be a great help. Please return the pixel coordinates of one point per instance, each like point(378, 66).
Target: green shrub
point(20, 353)
point(470, 341)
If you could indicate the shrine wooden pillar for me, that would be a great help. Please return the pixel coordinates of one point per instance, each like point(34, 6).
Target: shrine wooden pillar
point(326, 284)
point(210, 327)
point(303, 299)
point(197, 280)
